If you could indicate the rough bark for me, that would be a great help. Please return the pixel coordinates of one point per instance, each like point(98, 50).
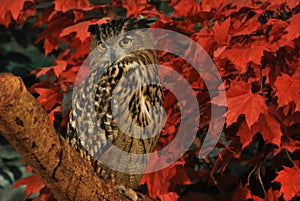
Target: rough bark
point(27, 127)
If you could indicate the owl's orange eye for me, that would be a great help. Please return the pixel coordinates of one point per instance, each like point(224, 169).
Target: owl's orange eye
point(102, 46)
point(126, 42)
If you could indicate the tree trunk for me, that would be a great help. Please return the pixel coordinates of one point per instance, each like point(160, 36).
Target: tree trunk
point(26, 125)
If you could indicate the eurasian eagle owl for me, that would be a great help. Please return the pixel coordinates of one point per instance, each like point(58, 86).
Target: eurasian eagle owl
point(118, 105)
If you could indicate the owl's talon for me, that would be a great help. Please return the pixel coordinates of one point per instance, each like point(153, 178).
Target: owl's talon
point(128, 192)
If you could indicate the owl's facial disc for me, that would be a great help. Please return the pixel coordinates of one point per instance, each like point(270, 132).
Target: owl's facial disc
point(113, 55)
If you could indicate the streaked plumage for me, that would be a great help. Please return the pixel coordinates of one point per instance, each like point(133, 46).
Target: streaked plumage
point(135, 100)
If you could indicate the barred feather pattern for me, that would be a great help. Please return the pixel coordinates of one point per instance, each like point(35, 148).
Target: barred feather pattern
point(97, 122)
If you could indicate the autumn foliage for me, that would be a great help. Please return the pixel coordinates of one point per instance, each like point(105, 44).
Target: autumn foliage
point(256, 48)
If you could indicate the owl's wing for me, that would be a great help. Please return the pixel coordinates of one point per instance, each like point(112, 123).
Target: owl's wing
point(108, 111)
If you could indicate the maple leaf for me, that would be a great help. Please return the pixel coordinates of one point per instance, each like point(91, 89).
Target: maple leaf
point(45, 16)
point(269, 128)
point(290, 144)
point(240, 4)
point(292, 3)
point(49, 97)
point(293, 29)
point(60, 66)
point(33, 184)
point(25, 13)
point(268, 125)
point(189, 9)
point(57, 69)
point(272, 195)
point(51, 115)
point(81, 28)
point(10, 9)
point(205, 39)
point(45, 195)
point(241, 55)
point(288, 90)
point(241, 193)
point(69, 76)
point(77, 51)
point(78, 15)
point(245, 134)
point(276, 37)
point(246, 26)
point(159, 182)
point(136, 8)
point(221, 35)
point(240, 100)
point(208, 5)
point(54, 28)
point(71, 5)
point(289, 179)
point(170, 196)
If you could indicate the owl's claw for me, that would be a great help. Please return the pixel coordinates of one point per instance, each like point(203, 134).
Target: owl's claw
point(129, 193)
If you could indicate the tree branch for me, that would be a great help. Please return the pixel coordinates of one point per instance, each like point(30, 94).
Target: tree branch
point(26, 125)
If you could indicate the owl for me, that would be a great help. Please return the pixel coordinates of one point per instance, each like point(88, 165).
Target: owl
point(116, 112)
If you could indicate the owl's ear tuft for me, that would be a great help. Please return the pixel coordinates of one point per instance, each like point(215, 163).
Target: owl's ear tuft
point(138, 23)
point(94, 29)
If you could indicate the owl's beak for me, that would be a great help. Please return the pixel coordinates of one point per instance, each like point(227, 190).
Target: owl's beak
point(112, 56)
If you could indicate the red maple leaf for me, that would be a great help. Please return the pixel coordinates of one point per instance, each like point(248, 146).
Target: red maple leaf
point(205, 39)
point(221, 34)
point(49, 97)
point(33, 184)
point(276, 34)
point(71, 5)
point(272, 195)
point(45, 195)
point(207, 5)
point(159, 183)
point(289, 179)
point(81, 28)
point(25, 13)
point(293, 29)
point(240, 100)
point(245, 134)
point(136, 8)
point(170, 196)
point(268, 125)
point(57, 69)
point(54, 28)
point(288, 90)
point(246, 25)
point(54, 111)
point(10, 9)
point(240, 55)
point(45, 16)
point(292, 3)
point(242, 3)
point(241, 193)
point(189, 9)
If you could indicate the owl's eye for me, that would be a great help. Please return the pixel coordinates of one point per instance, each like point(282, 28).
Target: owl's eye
point(126, 42)
point(102, 46)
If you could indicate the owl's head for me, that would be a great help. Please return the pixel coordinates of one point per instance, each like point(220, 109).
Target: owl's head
point(118, 39)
